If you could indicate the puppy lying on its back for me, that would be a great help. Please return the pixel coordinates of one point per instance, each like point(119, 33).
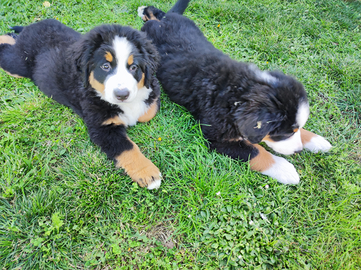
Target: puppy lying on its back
point(105, 76)
point(237, 104)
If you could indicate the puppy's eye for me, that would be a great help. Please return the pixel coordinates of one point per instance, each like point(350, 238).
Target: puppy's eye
point(105, 67)
point(133, 68)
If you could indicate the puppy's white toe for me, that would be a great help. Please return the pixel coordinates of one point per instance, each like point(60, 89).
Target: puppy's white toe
point(283, 171)
point(155, 184)
point(141, 11)
point(317, 143)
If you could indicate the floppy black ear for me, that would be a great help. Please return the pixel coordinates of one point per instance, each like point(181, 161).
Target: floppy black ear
point(151, 59)
point(256, 125)
point(83, 51)
point(147, 76)
point(258, 114)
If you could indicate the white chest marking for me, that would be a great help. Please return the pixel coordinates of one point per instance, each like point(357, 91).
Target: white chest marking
point(136, 108)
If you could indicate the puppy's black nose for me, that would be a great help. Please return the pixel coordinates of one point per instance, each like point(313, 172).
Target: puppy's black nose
point(121, 94)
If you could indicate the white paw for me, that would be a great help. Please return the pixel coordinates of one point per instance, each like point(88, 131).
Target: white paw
point(155, 184)
point(141, 11)
point(318, 143)
point(283, 171)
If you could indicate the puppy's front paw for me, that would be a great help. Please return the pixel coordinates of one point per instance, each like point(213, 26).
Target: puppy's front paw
point(283, 171)
point(274, 166)
point(314, 142)
point(147, 176)
point(139, 168)
point(317, 143)
point(155, 184)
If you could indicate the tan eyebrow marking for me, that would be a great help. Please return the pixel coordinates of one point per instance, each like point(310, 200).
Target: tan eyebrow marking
point(108, 56)
point(130, 59)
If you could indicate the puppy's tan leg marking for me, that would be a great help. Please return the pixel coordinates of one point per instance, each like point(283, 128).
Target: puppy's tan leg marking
point(274, 166)
point(5, 39)
point(114, 120)
point(263, 161)
point(306, 136)
point(139, 168)
point(150, 113)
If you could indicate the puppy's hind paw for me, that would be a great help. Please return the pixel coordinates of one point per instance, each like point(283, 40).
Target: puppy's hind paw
point(141, 12)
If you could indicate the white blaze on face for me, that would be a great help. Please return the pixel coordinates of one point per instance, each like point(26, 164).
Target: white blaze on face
point(292, 144)
point(121, 78)
point(302, 114)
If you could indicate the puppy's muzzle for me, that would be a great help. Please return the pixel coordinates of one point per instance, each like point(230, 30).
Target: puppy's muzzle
point(121, 94)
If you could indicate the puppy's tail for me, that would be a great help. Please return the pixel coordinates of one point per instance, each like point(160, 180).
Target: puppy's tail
point(179, 7)
point(17, 29)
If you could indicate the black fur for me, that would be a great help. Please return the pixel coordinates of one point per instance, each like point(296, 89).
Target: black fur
point(59, 61)
point(179, 7)
point(228, 97)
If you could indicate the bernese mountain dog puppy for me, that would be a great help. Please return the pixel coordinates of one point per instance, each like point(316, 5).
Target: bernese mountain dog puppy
point(237, 104)
point(106, 76)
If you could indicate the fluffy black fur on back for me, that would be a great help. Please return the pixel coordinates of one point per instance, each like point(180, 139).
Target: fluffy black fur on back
point(237, 104)
point(227, 96)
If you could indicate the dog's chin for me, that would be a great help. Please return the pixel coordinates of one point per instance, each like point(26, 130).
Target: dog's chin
point(287, 147)
point(117, 101)
point(284, 151)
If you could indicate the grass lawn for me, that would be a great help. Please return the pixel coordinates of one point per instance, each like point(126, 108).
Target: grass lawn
point(63, 205)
